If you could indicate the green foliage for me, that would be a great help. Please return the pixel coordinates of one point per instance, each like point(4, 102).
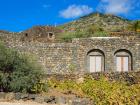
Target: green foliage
point(100, 34)
point(105, 92)
point(40, 87)
point(92, 31)
point(18, 73)
point(68, 36)
point(94, 28)
point(67, 85)
point(102, 91)
point(135, 26)
point(72, 68)
point(97, 22)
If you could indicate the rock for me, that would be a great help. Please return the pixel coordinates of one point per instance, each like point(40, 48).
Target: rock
point(86, 101)
point(32, 96)
point(76, 101)
point(80, 80)
point(47, 99)
point(39, 99)
point(2, 95)
point(51, 99)
point(24, 97)
point(17, 96)
point(69, 101)
point(9, 96)
point(81, 101)
point(61, 100)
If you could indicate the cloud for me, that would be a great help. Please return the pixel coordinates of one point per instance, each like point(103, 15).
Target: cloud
point(115, 6)
point(74, 11)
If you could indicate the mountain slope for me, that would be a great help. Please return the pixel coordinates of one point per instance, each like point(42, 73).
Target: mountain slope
point(105, 21)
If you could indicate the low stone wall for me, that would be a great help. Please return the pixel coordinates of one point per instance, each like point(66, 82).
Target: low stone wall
point(59, 100)
point(128, 77)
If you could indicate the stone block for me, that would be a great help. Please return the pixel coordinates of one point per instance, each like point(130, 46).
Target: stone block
point(10, 96)
point(2, 95)
point(39, 99)
point(50, 100)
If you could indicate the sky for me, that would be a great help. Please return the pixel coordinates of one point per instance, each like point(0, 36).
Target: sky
point(19, 15)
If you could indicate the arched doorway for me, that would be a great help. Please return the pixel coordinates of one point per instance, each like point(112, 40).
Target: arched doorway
point(96, 60)
point(123, 59)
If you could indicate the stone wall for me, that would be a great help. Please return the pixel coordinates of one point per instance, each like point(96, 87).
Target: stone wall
point(54, 57)
point(45, 99)
point(72, 57)
point(109, 45)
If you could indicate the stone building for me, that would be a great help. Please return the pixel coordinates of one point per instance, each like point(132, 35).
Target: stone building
point(40, 34)
point(109, 54)
point(96, 54)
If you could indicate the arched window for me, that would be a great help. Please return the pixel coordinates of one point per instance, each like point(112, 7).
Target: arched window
point(123, 59)
point(96, 60)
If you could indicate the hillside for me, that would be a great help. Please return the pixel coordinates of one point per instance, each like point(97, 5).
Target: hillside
point(105, 21)
point(94, 24)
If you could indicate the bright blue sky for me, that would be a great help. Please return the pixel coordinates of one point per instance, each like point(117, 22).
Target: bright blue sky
point(18, 15)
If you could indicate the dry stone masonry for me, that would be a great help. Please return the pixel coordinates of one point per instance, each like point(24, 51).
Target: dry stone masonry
point(76, 57)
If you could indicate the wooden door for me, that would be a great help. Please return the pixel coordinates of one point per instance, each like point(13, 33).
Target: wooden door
point(95, 63)
point(122, 64)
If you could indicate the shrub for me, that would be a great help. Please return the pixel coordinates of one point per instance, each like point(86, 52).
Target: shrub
point(39, 87)
point(18, 73)
point(135, 26)
point(105, 92)
point(101, 34)
point(102, 91)
point(94, 28)
point(68, 36)
point(92, 31)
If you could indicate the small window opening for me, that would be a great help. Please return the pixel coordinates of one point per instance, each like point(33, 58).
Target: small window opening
point(50, 34)
point(26, 34)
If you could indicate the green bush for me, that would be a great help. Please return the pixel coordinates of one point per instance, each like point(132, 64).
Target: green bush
point(92, 31)
point(18, 73)
point(94, 28)
point(68, 36)
point(135, 26)
point(100, 34)
point(40, 87)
